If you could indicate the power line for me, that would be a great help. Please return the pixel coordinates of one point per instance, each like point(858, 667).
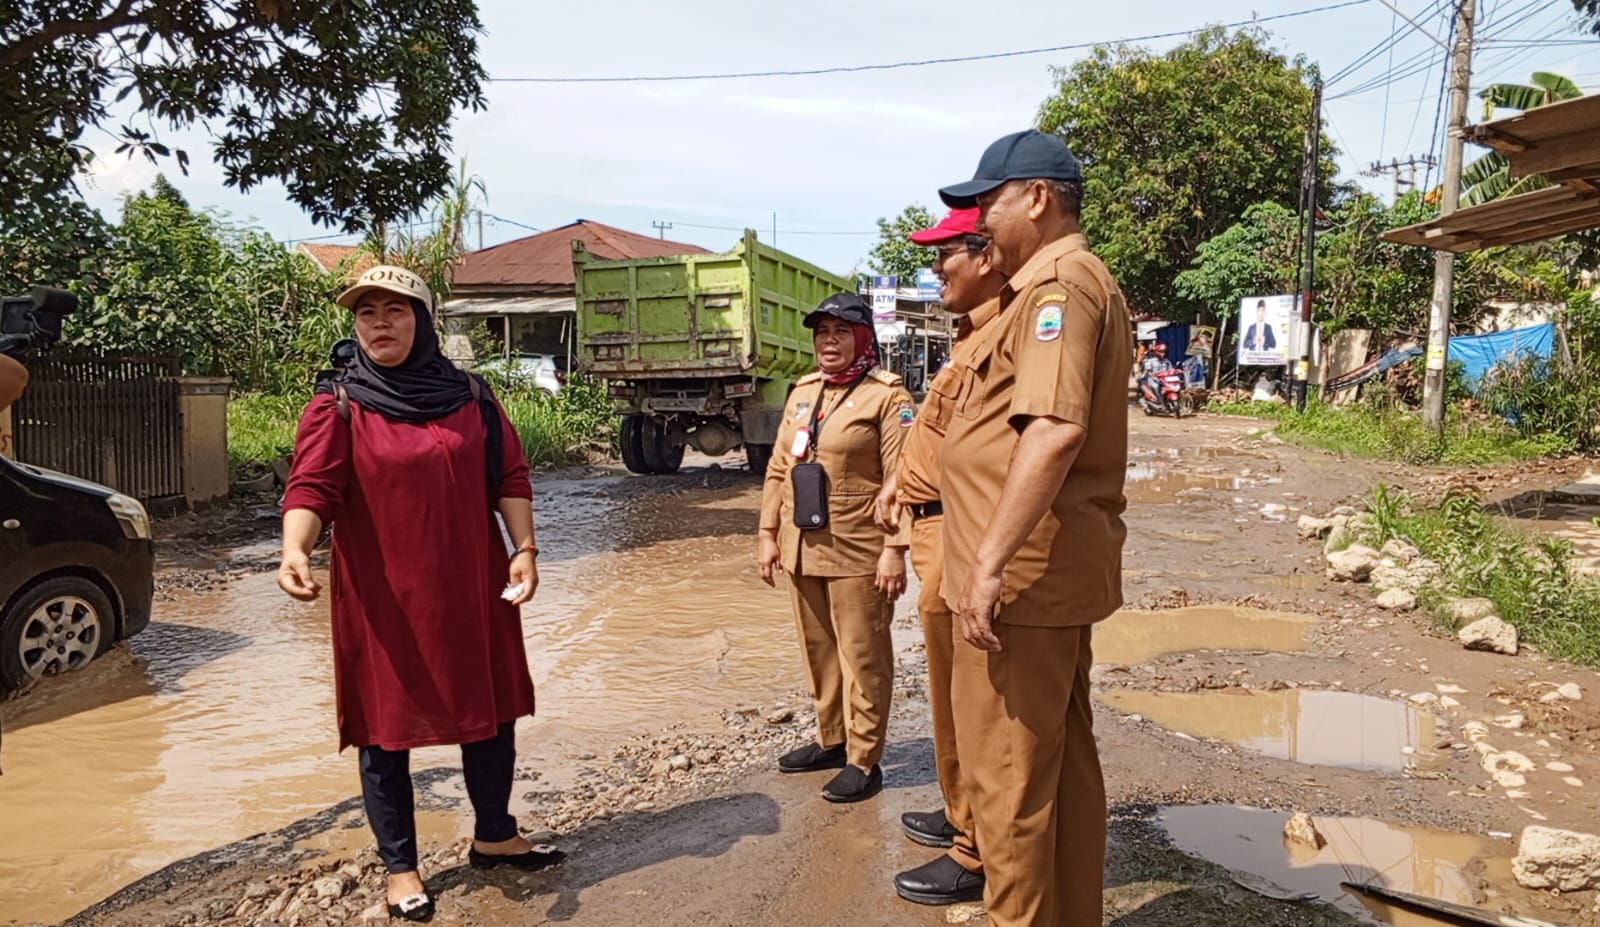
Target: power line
point(741, 228)
point(850, 69)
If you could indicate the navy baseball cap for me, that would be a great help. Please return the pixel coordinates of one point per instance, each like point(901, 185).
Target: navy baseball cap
point(847, 306)
point(1027, 155)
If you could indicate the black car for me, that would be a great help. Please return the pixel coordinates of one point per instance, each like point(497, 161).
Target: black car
point(76, 571)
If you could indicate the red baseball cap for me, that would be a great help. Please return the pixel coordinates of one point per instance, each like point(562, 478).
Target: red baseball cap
point(956, 223)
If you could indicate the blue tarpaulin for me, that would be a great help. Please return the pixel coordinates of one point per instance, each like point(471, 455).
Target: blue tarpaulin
point(1477, 353)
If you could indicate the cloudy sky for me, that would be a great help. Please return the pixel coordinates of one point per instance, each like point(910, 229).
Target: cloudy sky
point(830, 153)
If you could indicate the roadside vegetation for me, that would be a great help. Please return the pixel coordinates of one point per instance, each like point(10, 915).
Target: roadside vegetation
point(1481, 554)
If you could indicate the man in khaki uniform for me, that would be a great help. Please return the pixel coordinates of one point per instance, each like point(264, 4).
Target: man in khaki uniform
point(850, 416)
point(1031, 481)
point(972, 291)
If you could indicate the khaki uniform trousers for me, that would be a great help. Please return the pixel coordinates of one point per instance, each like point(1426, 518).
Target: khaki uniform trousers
point(844, 632)
point(1025, 735)
point(927, 559)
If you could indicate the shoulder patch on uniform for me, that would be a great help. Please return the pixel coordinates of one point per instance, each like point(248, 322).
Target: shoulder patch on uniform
point(1047, 326)
point(907, 413)
point(811, 377)
point(884, 376)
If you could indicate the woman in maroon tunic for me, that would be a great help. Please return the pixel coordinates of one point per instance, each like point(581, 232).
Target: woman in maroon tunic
point(398, 451)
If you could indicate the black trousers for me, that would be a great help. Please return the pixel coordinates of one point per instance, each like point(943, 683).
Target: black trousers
point(391, 809)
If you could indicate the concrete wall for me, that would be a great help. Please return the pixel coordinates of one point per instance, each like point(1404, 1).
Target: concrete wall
point(204, 407)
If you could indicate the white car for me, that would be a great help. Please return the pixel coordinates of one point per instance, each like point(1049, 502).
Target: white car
point(537, 370)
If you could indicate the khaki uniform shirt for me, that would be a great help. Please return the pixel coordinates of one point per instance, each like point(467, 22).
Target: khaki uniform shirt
point(860, 440)
point(919, 461)
point(1060, 350)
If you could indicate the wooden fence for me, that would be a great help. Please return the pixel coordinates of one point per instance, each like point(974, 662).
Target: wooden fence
point(115, 420)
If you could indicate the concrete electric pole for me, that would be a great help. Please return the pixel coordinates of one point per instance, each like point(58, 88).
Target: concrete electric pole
point(1444, 262)
point(1397, 167)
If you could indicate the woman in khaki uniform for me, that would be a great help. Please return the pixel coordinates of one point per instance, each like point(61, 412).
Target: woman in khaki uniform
point(850, 417)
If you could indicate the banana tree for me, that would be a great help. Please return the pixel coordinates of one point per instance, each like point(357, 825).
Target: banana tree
point(1488, 178)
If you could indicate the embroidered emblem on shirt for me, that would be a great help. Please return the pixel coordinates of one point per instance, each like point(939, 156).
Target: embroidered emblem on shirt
point(907, 414)
point(801, 408)
point(1048, 325)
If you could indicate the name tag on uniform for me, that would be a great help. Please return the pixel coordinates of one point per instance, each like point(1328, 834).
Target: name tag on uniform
point(802, 442)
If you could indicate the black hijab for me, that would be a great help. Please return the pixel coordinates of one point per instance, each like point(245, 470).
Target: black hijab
point(423, 387)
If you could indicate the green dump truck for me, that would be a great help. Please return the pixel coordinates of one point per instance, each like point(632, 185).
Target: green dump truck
point(698, 350)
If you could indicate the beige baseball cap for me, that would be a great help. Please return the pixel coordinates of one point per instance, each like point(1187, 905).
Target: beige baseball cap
point(391, 279)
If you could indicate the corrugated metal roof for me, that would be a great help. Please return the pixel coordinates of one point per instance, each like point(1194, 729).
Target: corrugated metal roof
point(1560, 141)
point(545, 259)
point(510, 305)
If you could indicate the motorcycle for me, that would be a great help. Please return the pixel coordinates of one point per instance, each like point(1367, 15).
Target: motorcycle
point(1161, 392)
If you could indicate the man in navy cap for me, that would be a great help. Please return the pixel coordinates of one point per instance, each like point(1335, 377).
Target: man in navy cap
point(1031, 484)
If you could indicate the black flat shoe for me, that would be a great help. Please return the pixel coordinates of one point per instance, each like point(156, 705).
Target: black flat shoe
point(930, 828)
point(854, 785)
point(812, 757)
point(943, 881)
point(542, 856)
point(418, 907)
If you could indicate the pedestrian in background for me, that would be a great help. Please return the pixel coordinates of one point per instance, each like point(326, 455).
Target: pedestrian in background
point(1032, 490)
point(840, 439)
point(970, 290)
point(408, 458)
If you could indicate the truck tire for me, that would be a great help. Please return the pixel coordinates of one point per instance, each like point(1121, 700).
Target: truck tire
point(661, 454)
point(630, 439)
point(758, 456)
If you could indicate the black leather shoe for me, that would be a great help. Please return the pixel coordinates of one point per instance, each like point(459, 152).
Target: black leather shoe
point(418, 908)
point(943, 881)
point(853, 785)
point(930, 828)
point(542, 856)
point(811, 757)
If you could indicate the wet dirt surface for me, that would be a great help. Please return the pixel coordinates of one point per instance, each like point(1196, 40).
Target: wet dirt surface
point(651, 637)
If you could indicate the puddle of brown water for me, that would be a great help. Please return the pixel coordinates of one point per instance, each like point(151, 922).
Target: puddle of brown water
point(1459, 868)
point(1131, 636)
point(1321, 728)
point(217, 722)
point(1156, 481)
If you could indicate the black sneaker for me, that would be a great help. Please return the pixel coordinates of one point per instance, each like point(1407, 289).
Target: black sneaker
point(812, 757)
point(854, 785)
point(930, 828)
point(943, 881)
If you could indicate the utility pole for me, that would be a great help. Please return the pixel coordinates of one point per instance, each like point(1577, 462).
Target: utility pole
point(480, 228)
point(661, 227)
point(1444, 262)
point(1397, 167)
point(774, 228)
point(1302, 361)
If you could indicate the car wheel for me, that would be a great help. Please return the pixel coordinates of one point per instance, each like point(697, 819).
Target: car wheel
point(57, 626)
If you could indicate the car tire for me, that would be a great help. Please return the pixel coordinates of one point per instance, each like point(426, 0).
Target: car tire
point(630, 439)
point(757, 456)
point(67, 614)
point(661, 453)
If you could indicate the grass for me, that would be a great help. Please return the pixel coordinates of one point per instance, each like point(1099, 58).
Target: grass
point(1379, 430)
point(555, 430)
point(1528, 577)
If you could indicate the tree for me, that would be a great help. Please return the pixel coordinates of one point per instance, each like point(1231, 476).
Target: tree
point(348, 104)
point(1589, 14)
point(1177, 146)
point(894, 253)
point(1489, 177)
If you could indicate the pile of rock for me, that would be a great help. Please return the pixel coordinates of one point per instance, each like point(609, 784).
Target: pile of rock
point(1400, 572)
point(1557, 860)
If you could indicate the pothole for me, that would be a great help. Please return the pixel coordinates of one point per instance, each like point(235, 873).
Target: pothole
point(1289, 581)
point(1131, 636)
point(1315, 727)
point(1456, 868)
point(1207, 452)
point(1156, 481)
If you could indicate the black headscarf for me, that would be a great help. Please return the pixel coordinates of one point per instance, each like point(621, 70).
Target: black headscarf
point(423, 387)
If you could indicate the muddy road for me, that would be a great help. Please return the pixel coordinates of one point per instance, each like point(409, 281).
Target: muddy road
point(190, 776)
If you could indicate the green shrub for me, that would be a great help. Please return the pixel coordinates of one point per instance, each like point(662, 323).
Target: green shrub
point(1537, 398)
point(1528, 577)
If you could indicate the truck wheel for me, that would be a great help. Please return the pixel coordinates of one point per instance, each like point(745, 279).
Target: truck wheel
point(631, 441)
point(660, 452)
point(758, 456)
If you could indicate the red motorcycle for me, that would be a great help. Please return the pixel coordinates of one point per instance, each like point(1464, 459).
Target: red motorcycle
point(1161, 392)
